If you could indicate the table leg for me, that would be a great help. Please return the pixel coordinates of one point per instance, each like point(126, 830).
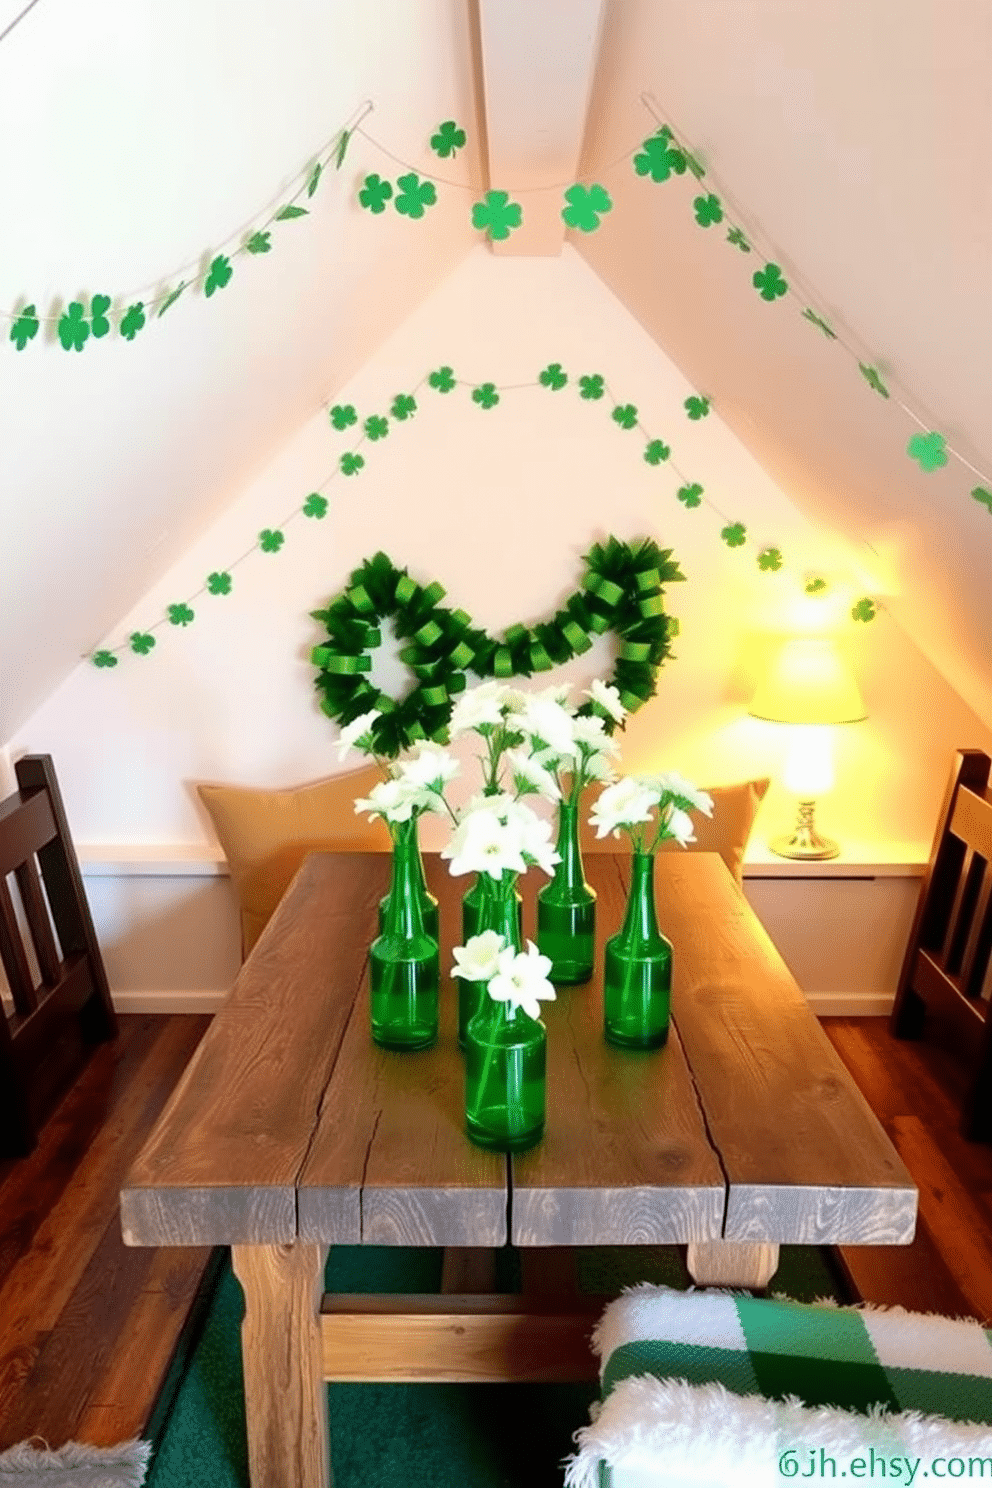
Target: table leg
point(285, 1394)
point(727, 1263)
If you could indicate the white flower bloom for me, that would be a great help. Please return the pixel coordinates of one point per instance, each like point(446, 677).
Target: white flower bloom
point(430, 768)
point(530, 776)
point(608, 698)
point(672, 783)
point(478, 959)
point(485, 843)
point(522, 980)
point(477, 706)
point(543, 718)
point(598, 767)
point(355, 730)
point(678, 824)
point(394, 800)
point(590, 729)
point(623, 805)
point(536, 843)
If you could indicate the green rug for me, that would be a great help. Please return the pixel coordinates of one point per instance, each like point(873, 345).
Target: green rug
point(480, 1436)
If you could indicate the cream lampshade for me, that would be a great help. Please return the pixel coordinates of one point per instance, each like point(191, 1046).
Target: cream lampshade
point(810, 686)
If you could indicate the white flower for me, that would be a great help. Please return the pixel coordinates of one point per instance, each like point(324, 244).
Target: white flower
point(355, 731)
point(394, 800)
point(678, 824)
point(597, 767)
point(483, 842)
point(522, 980)
point(536, 843)
point(530, 776)
point(608, 698)
point(546, 722)
point(688, 796)
point(623, 805)
point(477, 960)
point(430, 768)
point(477, 706)
point(590, 729)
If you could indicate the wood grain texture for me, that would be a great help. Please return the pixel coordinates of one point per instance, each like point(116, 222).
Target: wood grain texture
point(390, 1163)
point(285, 1399)
point(222, 1164)
point(725, 1263)
point(806, 1161)
point(625, 1159)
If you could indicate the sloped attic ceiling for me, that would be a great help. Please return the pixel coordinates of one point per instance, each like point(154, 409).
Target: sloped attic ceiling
point(851, 137)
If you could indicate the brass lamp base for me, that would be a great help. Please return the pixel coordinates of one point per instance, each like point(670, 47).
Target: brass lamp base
point(805, 841)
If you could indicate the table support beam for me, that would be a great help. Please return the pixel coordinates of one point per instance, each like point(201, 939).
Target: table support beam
point(285, 1398)
point(729, 1263)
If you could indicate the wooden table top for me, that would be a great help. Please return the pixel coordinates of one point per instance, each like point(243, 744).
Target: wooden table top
point(290, 1123)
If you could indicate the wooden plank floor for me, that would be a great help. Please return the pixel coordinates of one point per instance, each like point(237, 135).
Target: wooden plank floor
point(78, 1309)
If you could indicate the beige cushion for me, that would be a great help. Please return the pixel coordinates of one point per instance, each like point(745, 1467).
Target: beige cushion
point(725, 832)
point(266, 834)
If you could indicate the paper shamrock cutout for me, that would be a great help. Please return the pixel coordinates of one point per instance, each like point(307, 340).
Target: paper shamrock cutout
point(690, 495)
point(414, 196)
point(928, 450)
point(289, 212)
point(625, 414)
point(25, 327)
point(734, 534)
point(141, 642)
point(351, 464)
point(443, 380)
point(769, 559)
point(708, 210)
point(132, 321)
point(74, 330)
point(318, 170)
point(219, 583)
point(403, 407)
point(585, 207)
point(873, 379)
point(553, 377)
point(982, 494)
point(656, 451)
point(218, 275)
point(104, 659)
point(315, 505)
point(375, 193)
point(735, 236)
point(342, 415)
point(820, 323)
point(696, 408)
point(591, 386)
point(769, 282)
point(270, 539)
point(341, 148)
point(172, 297)
point(448, 140)
point(99, 320)
point(864, 610)
point(497, 215)
point(376, 427)
point(815, 586)
point(259, 242)
point(486, 396)
point(180, 614)
point(659, 157)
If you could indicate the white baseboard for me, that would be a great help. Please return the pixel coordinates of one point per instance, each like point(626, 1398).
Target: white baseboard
point(851, 1004)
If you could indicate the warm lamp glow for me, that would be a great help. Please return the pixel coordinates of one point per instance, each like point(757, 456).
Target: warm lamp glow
point(809, 766)
point(808, 682)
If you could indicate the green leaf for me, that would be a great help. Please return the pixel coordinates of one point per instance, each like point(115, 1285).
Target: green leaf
point(448, 140)
point(180, 614)
point(259, 242)
point(99, 320)
point(820, 323)
point(735, 236)
point(314, 180)
point(141, 642)
point(928, 450)
point(288, 212)
point(341, 148)
point(315, 505)
point(219, 583)
point(656, 451)
point(690, 495)
point(171, 298)
point(553, 377)
point(695, 166)
point(734, 535)
point(403, 406)
point(342, 415)
point(74, 330)
point(132, 321)
point(815, 586)
point(769, 559)
point(25, 327)
point(375, 193)
point(218, 275)
point(586, 204)
point(982, 494)
point(864, 611)
point(873, 378)
point(414, 195)
point(351, 464)
point(625, 414)
point(104, 659)
point(443, 380)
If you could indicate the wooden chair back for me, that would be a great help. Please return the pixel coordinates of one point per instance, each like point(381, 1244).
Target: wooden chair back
point(947, 963)
point(51, 958)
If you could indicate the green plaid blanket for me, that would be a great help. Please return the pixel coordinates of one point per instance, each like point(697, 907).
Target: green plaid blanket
point(879, 1363)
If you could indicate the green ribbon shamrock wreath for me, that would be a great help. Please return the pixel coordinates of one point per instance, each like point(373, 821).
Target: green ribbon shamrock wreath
point(621, 592)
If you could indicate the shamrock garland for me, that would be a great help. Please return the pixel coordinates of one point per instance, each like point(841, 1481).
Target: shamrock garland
point(553, 378)
point(622, 592)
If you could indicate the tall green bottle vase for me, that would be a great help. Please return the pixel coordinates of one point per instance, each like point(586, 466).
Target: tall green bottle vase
point(566, 906)
point(505, 1077)
point(428, 901)
point(497, 906)
point(405, 975)
point(637, 981)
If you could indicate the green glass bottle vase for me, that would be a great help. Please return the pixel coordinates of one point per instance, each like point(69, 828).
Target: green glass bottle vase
point(505, 1077)
point(428, 901)
point(404, 974)
point(497, 905)
point(637, 982)
point(566, 907)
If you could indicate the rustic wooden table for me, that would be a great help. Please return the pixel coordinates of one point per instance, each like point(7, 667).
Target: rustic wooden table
point(291, 1131)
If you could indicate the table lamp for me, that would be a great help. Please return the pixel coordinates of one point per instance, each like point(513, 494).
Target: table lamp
point(810, 686)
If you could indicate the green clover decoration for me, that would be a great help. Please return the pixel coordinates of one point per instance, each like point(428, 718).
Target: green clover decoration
point(74, 330)
point(315, 505)
point(448, 140)
point(343, 415)
point(659, 158)
point(25, 327)
point(820, 323)
point(864, 610)
point(734, 534)
point(180, 614)
point(270, 539)
point(486, 396)
point(737, 238)
point(443, 380)
point(690, 496)
point(770, 560)
point(218, 275)
point(403, 407)
point(815, 586)
point(592, 386)
point(708, 210)
point(219, 583)
point(259, 242)
point(318, 171)
point(553, 377)
point(656, 451)
point(585, 207)
point(873, 378)
point(290, 212)
point(351, 464)
point(984, 495)
point(141, 642)
point(171, 298)
point(769, 282)
point(696, 408)
point(376, 427)
point(414, 196)
point(928, 450)
point(99, 319)
point(132, 321)
point(625, 414)
point(104, 659)
point(497, 215)
point(375, 193)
